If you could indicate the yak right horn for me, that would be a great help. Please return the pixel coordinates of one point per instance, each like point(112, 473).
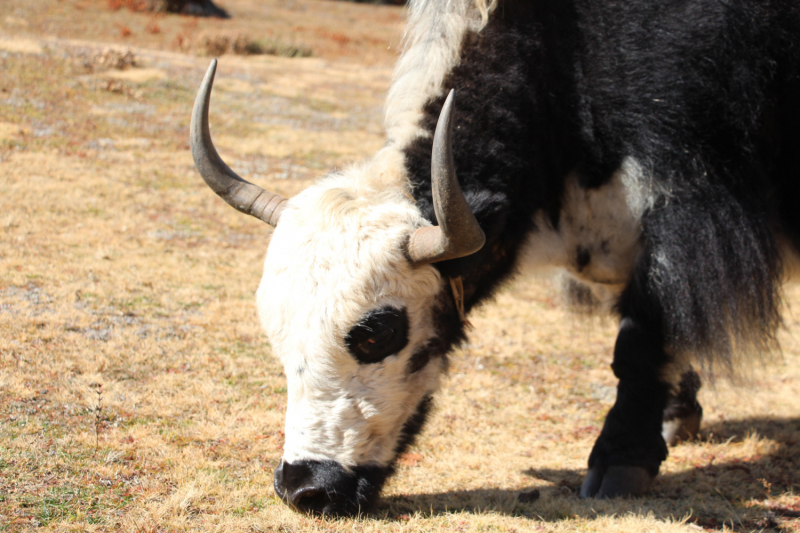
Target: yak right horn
point(458, 233)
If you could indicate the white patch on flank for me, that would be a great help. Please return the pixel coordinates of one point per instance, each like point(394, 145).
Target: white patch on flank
point(602, 224)
point(432, 48)
point(337, 254)
point(20, 46)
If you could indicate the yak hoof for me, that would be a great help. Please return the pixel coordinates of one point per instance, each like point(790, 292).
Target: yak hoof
point(615, 482)
point(591, 483)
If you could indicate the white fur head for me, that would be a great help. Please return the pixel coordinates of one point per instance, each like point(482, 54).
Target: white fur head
point(337, 255)
point(351, 256)
point(348, 300)
point(348, 314)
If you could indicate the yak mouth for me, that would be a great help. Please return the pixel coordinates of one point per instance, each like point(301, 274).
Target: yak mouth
point(329, 489)
point(326, 488)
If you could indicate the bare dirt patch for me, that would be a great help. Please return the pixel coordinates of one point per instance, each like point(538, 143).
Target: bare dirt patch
point(23, 46)
point(137, 392)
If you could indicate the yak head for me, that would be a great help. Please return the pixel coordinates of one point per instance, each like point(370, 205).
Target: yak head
point(348, 300)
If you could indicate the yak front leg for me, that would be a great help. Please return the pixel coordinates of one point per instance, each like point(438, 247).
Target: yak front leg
point(628, 453)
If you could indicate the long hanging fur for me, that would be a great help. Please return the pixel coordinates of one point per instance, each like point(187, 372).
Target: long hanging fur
point(690, 92)
point(696, 93)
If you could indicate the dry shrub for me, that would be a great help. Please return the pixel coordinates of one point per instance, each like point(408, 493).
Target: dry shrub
point(180, 42)
point(383, 2)
point(218, 45)
point(276, 48)
point(244, 46)
point(152, 27)
point(118, 87)
point(109, 58)
point(336, 37)
point(131, 5)
point(185, 7)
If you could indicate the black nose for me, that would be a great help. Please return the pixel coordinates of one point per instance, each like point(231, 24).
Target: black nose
point(327, 488)
point(299, 485)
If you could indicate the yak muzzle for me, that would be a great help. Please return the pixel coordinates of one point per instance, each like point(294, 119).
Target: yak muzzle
point(327, 488)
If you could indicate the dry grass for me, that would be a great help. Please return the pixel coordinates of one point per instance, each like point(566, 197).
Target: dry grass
point(137, 392)
point(366, 34)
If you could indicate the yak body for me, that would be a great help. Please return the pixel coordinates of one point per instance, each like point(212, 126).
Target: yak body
point(690, 104)
point(649, 148)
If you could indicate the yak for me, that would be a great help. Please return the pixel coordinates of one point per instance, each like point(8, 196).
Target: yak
point(649, 148)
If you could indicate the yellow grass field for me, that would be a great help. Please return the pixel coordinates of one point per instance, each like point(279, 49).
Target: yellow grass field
point(137, 392)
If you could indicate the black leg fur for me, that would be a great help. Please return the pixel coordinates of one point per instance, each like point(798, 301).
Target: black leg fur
point(629, 451)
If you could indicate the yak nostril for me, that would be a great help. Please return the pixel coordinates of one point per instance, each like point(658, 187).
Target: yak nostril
point(309, 499)
point(278, 482)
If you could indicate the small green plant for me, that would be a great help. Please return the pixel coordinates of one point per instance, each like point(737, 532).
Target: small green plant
point(97, 410)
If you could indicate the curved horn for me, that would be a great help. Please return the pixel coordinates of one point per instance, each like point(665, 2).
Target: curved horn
point(458, 233)
point(239, 193)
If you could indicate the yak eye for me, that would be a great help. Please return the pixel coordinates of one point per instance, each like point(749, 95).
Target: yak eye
point(379, 334)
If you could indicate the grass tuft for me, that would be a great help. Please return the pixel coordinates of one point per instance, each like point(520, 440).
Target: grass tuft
point(243, 45)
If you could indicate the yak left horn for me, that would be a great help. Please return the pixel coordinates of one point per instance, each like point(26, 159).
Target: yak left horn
point(238, 192)
point(458, 233)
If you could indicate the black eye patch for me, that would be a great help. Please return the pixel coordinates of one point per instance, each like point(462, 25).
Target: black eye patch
point(379, 334)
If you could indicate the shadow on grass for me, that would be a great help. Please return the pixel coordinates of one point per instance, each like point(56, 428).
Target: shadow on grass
point(714, 493)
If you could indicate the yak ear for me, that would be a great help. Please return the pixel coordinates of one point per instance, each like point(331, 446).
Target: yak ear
point(458, 233)
point(238, 192)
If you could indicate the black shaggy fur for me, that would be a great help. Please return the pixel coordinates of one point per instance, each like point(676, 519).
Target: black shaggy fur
point(499, 118)
point(414, 425)
point(698, 108)
point(704, 95)
point(701, 93)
